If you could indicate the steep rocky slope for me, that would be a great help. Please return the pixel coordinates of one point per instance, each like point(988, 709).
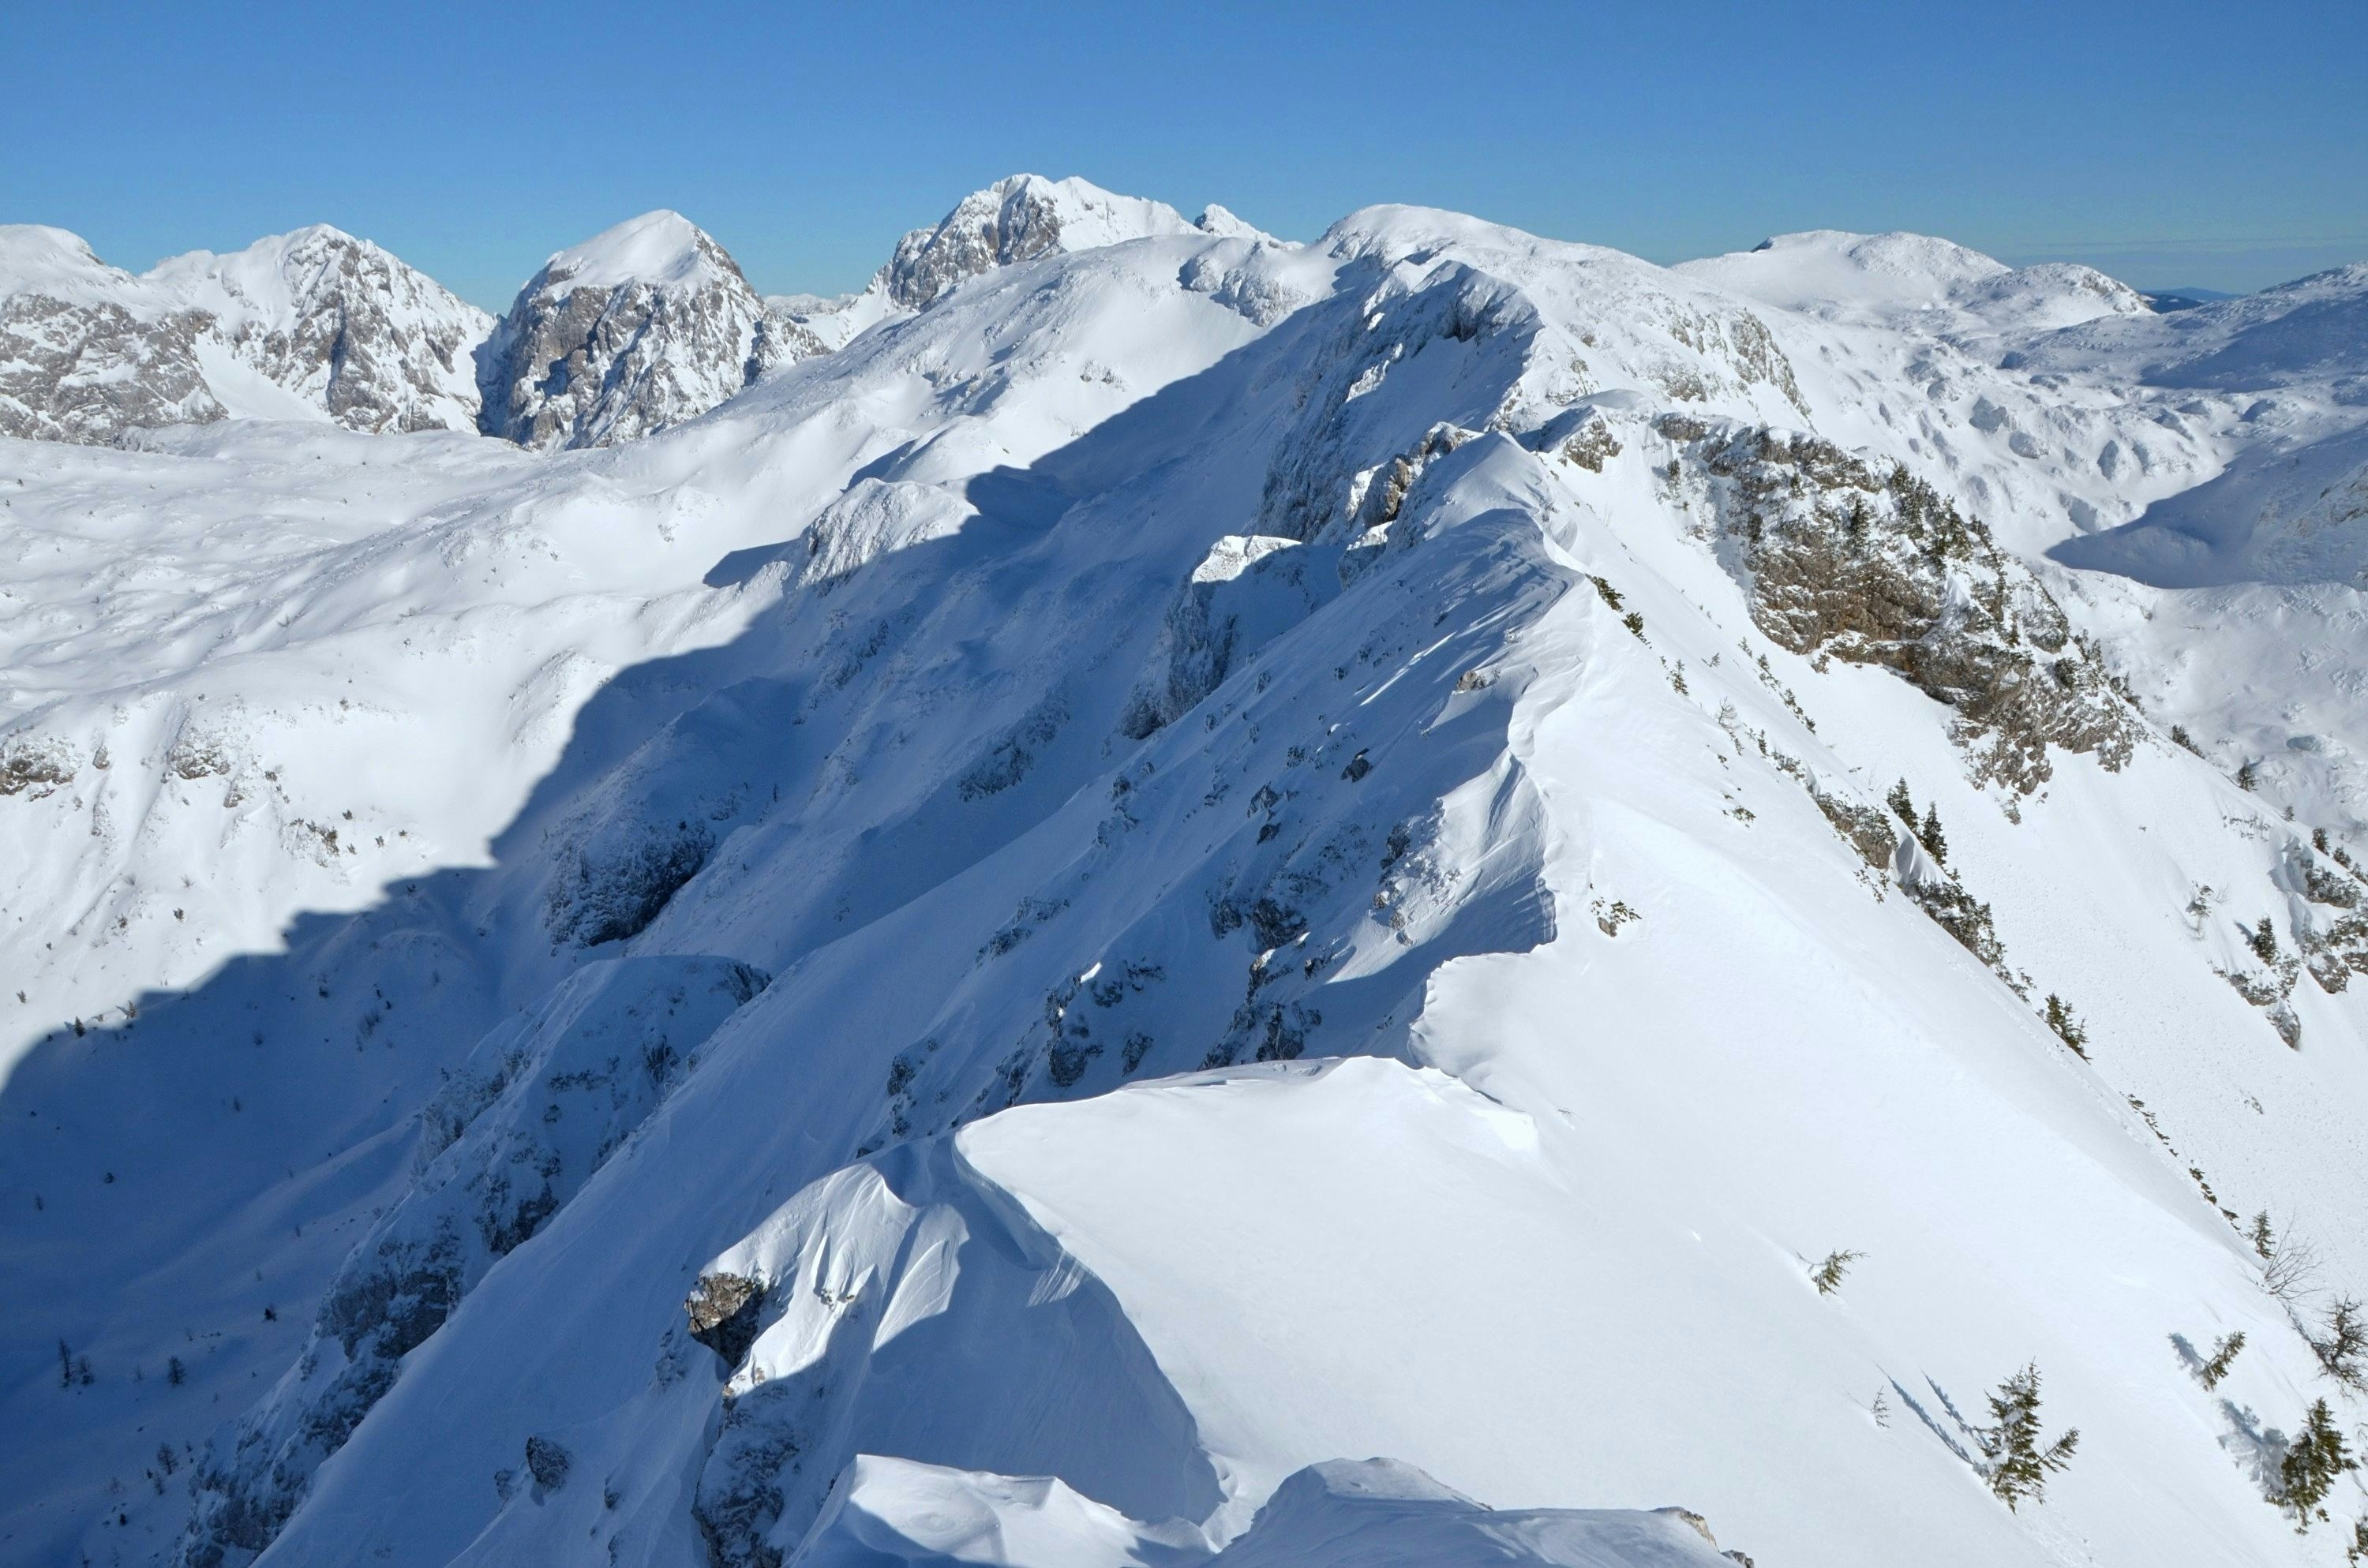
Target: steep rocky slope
point(1201, 860)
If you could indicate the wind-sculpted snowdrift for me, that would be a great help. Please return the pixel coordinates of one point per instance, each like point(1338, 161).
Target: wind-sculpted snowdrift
point(1433, 845)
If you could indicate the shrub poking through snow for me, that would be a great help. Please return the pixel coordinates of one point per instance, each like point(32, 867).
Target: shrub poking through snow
point(1902, 804)
point(547, 1462)
point(2315, 1459)
point(2289, 1267)
point(2223, 1357)
point(1827, 1276)
point(2342, 1350)
point(2016, 1466)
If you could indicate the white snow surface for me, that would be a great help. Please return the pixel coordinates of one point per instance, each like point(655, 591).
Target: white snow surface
point(657, 248)
point(1205, 901)
point(38, 260)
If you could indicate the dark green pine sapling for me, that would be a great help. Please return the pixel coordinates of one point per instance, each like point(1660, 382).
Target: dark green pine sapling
point(2315, 1460)
point(2223, 1357)
point(1929, 834)
point(2068, 1025)
point(2016, 1466)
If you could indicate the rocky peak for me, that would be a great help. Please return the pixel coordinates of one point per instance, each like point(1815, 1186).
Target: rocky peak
point(1015, 220)
point(642, 326)
point(342, 324)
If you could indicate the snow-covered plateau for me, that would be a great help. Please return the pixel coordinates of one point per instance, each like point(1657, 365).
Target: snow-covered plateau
point(1149, 897)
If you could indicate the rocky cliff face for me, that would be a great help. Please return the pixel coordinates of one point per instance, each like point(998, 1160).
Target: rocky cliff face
point(642, 326)
point(343, 325)
point(87, 351)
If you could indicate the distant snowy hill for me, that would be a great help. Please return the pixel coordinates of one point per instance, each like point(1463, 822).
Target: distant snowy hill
point(1165, 899)
point(1913, 279)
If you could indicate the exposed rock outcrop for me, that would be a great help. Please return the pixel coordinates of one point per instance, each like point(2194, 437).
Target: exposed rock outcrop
point(87, 351)
point(1858, 558)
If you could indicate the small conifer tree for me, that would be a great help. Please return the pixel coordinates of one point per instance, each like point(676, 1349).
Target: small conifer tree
point(2263, 940)
point(2248, 776)
point(2223, 1357)
point(2068, 1025)
point(1902, 803)
point(2314, 1460)
point(2017, 1465)
point(1827, 1276)
point(1935, 842)
point(174, 1374)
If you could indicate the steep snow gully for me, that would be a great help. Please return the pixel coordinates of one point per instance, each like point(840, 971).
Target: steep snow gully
point(1151, 896)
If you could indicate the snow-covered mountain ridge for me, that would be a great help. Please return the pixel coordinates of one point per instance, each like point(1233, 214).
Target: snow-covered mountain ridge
point(1204, 861)
point(644, 325)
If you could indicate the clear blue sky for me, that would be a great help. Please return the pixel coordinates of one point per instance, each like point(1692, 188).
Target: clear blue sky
point(2223, 146)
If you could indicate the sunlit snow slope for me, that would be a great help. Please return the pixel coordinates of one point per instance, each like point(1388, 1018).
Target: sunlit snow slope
point(1201, 900)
